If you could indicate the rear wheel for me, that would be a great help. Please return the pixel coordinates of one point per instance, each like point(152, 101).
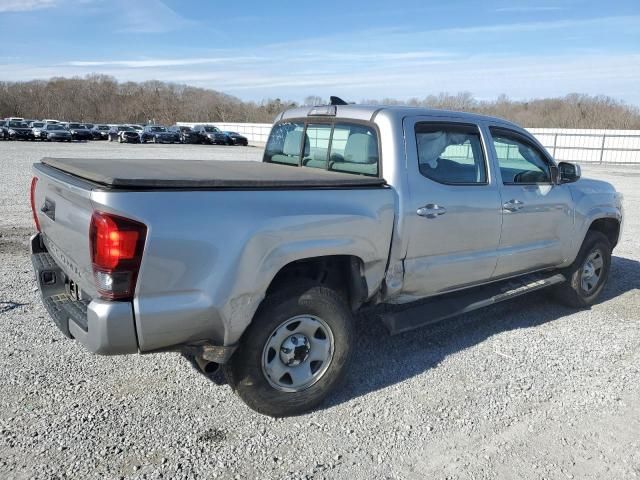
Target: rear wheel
point(294, 353)
point(587, 275)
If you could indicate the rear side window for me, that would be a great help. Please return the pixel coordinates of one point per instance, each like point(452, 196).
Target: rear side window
point(341, 147)
point(451, 154)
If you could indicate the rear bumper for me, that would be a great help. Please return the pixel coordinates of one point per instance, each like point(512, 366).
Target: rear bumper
point(103, 327)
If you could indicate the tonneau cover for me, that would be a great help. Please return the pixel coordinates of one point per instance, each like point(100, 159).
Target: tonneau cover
point(162, 173)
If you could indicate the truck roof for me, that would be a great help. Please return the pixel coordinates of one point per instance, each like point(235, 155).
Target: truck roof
point(369, 112)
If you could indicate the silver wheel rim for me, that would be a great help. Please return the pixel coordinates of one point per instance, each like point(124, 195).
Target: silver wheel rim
point(298, 353)
point(592, 271)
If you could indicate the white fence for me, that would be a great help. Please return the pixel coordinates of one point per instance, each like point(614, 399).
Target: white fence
point(572, 145)
point(255, 132)
point(591, 146)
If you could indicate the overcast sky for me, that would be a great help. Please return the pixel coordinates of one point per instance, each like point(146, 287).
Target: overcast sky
point(356, 49)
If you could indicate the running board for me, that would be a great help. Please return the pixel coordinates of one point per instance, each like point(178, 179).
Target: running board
point(404, 318)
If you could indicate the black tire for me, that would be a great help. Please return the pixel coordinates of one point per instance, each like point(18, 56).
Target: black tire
point(245, 374)
point(571, 292)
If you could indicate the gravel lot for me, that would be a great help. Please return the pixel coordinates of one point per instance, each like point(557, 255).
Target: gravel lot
point(527, 389)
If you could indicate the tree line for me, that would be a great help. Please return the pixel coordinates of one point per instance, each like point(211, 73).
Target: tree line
point(102, 99)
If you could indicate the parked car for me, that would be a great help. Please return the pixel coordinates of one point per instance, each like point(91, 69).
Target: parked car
point(79, 131)
point(4, 130)
point(158, 134)
point(123, 134)
point(137, 128)
point(35, 125)
point(260, 267)
point(236, 138)
point(100, 132)
point(53, 132)
point(186, 134)
point(212, 135)
point(19, 130)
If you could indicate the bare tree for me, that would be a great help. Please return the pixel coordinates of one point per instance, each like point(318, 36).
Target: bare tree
point(101, 98)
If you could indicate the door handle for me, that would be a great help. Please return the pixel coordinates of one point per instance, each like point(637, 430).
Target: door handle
point(431, 210)
point(513, 205)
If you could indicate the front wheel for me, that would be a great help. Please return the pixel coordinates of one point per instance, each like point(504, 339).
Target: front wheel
point(294, 353)
point(587, 275)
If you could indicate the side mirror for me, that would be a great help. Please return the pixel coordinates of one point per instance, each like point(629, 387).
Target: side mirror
point(568, 172)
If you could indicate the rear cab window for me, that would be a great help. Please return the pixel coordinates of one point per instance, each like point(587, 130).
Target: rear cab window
point(340, 146)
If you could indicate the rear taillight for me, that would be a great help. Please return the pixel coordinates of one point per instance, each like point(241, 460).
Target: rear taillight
point(32, 197)
point(117, 244)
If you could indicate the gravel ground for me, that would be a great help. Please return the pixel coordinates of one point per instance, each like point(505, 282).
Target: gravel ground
point(526, 389)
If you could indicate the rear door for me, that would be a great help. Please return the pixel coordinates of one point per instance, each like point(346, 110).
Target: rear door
point(454, 207)
point(537, 214)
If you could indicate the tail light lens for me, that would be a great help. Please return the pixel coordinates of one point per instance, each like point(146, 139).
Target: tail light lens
point(32, 197)
point(117, 244)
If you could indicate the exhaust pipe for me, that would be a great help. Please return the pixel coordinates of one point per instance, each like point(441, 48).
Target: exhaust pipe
point(207, 367)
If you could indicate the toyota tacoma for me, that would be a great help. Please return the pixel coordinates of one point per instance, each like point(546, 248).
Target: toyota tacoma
point(413, 215)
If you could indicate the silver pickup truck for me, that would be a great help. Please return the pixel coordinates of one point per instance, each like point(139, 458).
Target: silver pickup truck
point(413, 215)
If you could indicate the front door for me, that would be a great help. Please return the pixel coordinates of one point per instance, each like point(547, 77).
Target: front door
point(537, 215)
point(453, 210)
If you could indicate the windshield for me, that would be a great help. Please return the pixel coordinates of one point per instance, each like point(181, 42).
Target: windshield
point(126, 129)
point(76, 125)
point(103, 127)
point(157, 129)
point(54, 127)
point(37, 124)
point(211, 129)
point(15, 124)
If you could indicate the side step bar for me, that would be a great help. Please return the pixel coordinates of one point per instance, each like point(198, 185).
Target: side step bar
point(404, 318)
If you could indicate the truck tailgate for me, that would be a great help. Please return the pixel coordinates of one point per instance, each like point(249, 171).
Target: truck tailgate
point(63, 207)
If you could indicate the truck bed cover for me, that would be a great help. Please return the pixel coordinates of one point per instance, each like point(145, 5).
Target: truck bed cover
point(205, 174)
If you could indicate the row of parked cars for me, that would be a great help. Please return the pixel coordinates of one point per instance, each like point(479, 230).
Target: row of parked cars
point(53, 130)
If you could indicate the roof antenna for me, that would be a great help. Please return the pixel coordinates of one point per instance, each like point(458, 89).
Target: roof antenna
point(336, 101)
